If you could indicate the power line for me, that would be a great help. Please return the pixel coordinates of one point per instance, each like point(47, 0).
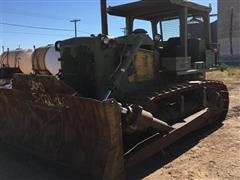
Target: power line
point(35, 27)
point(39, 27)
point(17, 32)
point(38, 15)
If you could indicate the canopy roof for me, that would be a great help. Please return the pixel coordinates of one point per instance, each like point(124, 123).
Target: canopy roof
point(157, 9)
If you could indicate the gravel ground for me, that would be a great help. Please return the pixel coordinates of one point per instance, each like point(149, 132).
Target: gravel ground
point(211, 153)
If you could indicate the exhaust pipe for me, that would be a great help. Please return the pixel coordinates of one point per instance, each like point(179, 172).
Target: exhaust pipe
point(104, 17)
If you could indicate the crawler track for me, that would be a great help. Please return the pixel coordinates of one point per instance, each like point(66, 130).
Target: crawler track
point(149, 99)
point(204, 102)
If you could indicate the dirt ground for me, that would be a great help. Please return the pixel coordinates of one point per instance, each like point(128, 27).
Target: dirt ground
point(211, 153)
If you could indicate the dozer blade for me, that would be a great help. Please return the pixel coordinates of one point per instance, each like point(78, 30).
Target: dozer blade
point(81, 133)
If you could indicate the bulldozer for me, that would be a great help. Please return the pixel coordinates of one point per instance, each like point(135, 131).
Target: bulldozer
point(117, 101)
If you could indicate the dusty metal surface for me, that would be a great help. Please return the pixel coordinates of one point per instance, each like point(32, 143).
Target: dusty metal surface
point(81, 133)
point(41, 84)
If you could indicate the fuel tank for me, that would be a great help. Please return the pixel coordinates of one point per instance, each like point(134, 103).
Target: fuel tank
point(45, 60)
point(19, 58)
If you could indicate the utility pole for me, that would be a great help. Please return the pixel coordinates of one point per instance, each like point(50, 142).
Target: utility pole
point(3, 49)
point(124, 30)
point(103, 6)
point(75, 25)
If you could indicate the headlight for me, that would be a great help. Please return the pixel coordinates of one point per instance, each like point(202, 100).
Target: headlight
point(109, 41)
point(106, 40)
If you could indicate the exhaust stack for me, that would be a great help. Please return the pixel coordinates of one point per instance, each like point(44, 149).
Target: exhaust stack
point(104, 17)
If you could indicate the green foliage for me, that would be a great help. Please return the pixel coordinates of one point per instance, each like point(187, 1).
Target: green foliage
point(223, 67)
point(233, 70)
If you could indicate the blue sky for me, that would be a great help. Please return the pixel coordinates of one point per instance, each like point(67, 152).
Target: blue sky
point(56, 14)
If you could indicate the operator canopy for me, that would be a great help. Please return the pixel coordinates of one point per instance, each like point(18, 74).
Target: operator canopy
point(157, 9)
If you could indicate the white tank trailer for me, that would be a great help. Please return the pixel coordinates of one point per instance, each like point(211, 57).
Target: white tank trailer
point(19, 58)
point(43, 60)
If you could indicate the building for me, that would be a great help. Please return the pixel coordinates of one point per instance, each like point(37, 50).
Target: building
point(229, 31)
point(195, 30)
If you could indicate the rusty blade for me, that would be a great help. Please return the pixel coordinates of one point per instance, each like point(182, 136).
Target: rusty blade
point(41, 84)
point(84, 134)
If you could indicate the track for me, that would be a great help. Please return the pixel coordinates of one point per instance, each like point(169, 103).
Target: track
point(180, 106)
point(178, 101)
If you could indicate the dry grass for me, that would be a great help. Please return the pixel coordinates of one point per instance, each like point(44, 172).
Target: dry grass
point(229, 74)
point(233, 71)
